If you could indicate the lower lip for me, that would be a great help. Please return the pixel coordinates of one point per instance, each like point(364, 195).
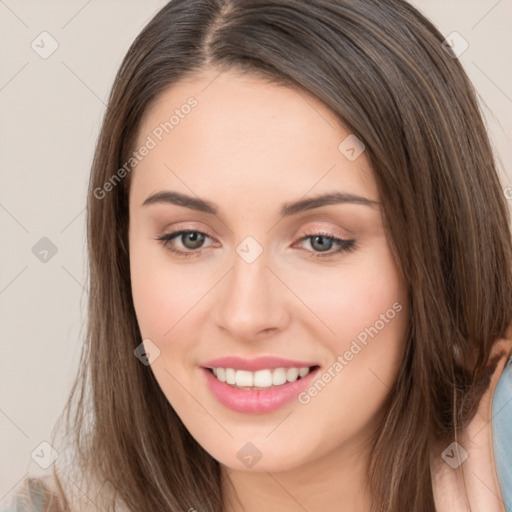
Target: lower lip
point(257, 401)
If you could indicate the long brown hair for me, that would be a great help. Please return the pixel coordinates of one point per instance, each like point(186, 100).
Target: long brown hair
point(380, 66)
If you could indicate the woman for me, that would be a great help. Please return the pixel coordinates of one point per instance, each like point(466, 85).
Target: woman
point(297, 228)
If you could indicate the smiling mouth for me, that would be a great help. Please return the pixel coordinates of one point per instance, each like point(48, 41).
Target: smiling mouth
point(261, 379)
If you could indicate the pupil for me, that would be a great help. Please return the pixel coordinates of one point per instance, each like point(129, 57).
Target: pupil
point(322, 246)
point(195, 238)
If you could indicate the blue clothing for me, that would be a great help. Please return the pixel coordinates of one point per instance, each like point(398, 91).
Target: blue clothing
point(502, 433)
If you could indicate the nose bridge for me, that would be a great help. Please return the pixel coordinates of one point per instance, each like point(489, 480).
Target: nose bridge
point(249, 301)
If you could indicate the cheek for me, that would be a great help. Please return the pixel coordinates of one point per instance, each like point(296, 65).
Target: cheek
point(371, 306)
point(163, 292)
point(163, 297)
point(362, 293)
point(365, 308)
point(149, 284)
point(368, 312)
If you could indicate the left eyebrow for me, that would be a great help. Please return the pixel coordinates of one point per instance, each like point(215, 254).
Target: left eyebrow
point(287, 209)
point(324, 200)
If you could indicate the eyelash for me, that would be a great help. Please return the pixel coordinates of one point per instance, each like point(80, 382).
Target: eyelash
point(344, 246)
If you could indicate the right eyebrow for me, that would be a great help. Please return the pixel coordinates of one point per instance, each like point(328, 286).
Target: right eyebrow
point(194, 203)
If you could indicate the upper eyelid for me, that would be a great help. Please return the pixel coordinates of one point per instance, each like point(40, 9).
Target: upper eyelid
point(178, 232)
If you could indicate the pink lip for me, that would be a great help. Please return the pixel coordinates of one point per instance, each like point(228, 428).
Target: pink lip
point(256, 401)
point(253, 365)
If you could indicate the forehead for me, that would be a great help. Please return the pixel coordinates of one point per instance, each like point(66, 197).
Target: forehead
point(219, 133)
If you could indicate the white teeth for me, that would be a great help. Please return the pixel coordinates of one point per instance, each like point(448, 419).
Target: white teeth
point(260, 378)
point(292, 374)
point(303, 371)
point(278, 376)
point(244, 378)
point(230, 376)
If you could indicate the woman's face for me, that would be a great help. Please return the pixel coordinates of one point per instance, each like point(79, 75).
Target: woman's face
point(261, 279)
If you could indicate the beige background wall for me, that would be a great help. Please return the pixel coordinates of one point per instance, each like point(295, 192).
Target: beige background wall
point(51, 109)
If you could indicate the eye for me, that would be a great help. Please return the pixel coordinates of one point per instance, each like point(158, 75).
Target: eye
point(323, 242)
point(190, 240)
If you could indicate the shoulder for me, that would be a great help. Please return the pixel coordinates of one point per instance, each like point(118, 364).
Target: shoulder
point(33, 494)
point(52, 493)
point(502, 433)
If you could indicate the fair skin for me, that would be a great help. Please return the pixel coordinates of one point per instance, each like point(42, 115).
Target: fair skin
point(249, 147)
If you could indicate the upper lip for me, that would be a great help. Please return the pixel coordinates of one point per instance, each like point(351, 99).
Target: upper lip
point(253, 365)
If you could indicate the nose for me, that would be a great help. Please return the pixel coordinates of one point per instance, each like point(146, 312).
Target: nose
point(250, 302)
